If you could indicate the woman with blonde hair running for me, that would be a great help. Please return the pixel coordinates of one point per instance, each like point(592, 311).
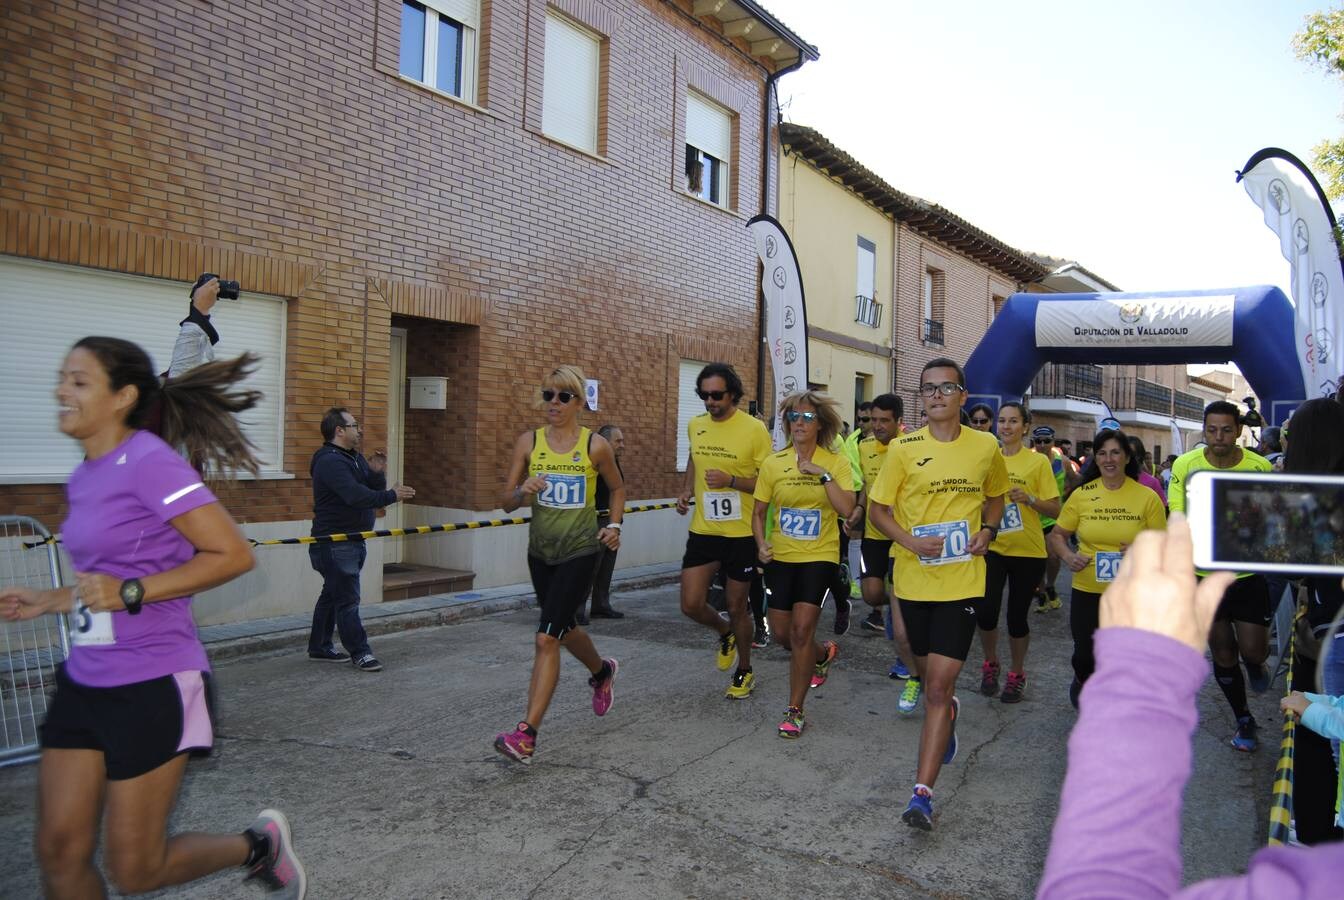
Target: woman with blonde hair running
point(554, 470)
point(805, 486)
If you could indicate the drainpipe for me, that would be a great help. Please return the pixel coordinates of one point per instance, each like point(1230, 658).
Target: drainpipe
point(766, 156)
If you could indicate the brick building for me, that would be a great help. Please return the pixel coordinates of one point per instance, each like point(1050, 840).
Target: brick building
point(469, 190)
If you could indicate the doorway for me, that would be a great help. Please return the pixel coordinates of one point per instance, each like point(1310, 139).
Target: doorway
point(396, 443)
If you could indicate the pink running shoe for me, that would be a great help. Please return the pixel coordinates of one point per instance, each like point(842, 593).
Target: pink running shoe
point(792, 726)
point(280, 869)
point(602, 694)
point(517, 744)
point(823, 668)
point(989, 678)
point(1012, 691)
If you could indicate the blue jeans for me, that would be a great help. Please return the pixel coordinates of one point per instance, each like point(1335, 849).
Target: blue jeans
point(338, 604)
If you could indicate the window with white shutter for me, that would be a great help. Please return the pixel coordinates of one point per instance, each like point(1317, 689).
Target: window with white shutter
point(47, 307)
point(709, 148)
point(571, 93)
point(688, 407)
point(438, 44)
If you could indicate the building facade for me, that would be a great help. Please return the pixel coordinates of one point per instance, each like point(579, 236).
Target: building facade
point(462, 193)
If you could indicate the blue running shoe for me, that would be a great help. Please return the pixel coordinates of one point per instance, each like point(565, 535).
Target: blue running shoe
point(898, 671)
point(919, 812)
point(1244, 740)
point(951, 752)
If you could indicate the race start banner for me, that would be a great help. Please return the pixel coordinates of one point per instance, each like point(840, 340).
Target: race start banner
point(1137, 322)
point(1296, 209)
point(785, 311)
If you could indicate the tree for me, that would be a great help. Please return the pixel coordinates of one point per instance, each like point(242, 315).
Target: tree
point(1321, 43)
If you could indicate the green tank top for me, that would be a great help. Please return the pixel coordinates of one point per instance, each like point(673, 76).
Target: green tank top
point(564, 515)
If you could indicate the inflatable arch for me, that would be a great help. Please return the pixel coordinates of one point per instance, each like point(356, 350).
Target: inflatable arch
point(1252, 327)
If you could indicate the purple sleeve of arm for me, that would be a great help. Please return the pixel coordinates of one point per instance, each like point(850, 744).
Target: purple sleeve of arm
point(1118, 833)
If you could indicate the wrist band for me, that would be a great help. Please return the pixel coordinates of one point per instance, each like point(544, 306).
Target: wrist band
point(614, 526)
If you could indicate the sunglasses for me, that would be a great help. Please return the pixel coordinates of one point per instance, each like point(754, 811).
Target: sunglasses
point(716, 396)
point(863, 419)
point(796, 416)
point(565, 396)
point(1042, 441)
point(979, 421)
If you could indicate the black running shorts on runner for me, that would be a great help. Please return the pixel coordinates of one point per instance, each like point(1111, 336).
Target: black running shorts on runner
point(807, 582)
point(875, 558)
point(561, 589)
point(736, 556)
point(1247, 600)
point(944, 627)
point(137, 727)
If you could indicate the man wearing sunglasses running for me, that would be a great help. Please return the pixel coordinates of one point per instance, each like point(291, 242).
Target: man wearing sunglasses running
point(728, 447)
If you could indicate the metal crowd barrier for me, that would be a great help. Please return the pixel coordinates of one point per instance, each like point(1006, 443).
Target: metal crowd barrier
point(32, 649)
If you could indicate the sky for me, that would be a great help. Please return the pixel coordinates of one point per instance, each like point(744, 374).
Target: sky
point(1106, 133)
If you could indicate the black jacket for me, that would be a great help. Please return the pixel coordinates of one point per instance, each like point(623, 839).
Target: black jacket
point(346, 492)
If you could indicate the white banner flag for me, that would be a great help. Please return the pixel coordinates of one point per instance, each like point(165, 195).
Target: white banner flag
point(1296, 210)
point(785, 311)
point(1177, 441)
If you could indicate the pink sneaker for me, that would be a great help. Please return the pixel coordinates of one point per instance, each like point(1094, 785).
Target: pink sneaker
point(516, 744)
point(989, 678)
point(602, 693)
point(823, 668)
point(1012, 690)
point(280, 869)
point(792, 726)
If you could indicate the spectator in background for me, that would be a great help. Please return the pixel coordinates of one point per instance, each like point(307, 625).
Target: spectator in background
point(1165, 475)
point(600, 592)
point(347, 490)
point(981, 417)
point(196, 336)
point(1271, 445)
point(1146, 477)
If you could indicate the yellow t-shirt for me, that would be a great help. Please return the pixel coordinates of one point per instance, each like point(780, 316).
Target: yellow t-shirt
point(1103, 520)
point(806, 526)
point(1020, 532)
point(937, 488)
point(738, 445)
point(1196, 461)
point(872, 453)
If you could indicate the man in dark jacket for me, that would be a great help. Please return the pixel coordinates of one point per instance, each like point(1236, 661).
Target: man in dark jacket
point(600, 590)
point(347, 490)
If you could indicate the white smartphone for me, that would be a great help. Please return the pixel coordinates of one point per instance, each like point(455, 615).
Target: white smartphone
point(1267, 522)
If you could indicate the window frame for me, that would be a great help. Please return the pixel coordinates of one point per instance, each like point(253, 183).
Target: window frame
point(468, 46)
point(599, 86)
point(716, 182)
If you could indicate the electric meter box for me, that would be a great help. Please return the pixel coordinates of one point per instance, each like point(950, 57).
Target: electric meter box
point(428, 392)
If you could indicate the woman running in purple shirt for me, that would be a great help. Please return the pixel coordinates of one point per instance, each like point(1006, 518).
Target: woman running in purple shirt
point(144, 534)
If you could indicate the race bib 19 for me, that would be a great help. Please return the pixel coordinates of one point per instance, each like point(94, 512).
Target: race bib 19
point(1108, 566)
point(89, 628)
point(1012, 519)
point(564, 492)
point(956, 541)
point(722, 506)
point(800, 524)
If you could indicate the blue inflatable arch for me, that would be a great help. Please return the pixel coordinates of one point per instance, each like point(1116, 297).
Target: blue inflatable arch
point(1252, 327)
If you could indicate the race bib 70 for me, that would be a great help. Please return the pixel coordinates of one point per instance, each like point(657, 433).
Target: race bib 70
point(956, 541)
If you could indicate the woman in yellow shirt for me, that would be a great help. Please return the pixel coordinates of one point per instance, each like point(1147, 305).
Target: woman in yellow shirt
point(1107, 511)
point(1016, 558)
point(805, 486)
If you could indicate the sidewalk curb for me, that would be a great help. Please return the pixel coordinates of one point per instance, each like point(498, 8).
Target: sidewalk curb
point(450, 613)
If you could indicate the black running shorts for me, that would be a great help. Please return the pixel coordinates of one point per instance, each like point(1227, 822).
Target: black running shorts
point(561, 589)
point(875, 557)
point(942, 627)
point(806, 582)
point(138, 727)
point(735, 556)
point(1247, 600)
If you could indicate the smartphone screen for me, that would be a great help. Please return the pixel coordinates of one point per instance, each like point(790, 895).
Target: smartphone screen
point(1277, 520)
point(751, 407)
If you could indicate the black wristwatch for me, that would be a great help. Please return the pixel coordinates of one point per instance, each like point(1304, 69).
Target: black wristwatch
point(993, 530)
point(826, 478)
point(133, 595)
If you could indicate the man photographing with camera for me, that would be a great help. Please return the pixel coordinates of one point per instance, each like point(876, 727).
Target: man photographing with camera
point(196, 337)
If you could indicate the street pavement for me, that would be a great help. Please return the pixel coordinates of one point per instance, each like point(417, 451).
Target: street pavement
point(394, 791)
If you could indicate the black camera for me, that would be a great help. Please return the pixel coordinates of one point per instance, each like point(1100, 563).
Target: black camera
point(228, 290)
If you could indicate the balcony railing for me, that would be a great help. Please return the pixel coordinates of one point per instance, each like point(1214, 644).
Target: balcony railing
point(933, 331)
point(1189, 406)
point(867, 311)
point(1082, 382)
point(1140, 394)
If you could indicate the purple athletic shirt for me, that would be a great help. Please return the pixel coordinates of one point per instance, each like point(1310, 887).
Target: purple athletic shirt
point(1118, 833)
point(120, 507)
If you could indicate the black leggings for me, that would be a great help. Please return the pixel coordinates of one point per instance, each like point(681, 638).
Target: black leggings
point(1022, 575)
point(1084, 619)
